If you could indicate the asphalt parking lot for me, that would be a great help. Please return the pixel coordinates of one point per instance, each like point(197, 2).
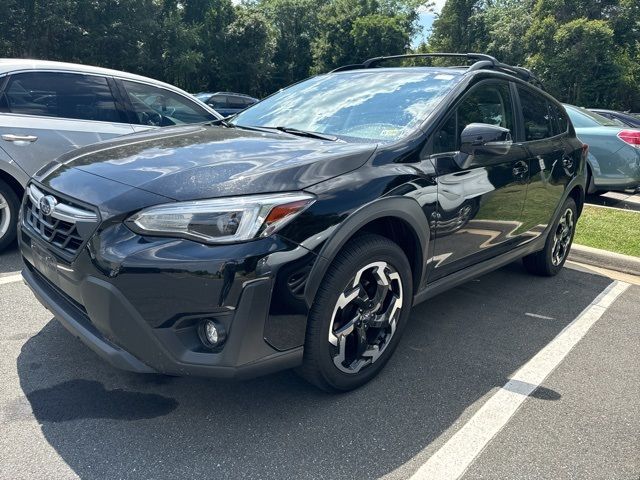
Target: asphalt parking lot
point(66, 414)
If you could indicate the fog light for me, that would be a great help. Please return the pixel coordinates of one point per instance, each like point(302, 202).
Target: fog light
point(212, 333)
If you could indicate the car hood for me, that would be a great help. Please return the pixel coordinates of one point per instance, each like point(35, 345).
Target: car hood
point(195, 162)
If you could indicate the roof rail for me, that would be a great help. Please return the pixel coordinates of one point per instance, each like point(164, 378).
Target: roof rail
point(482, 62)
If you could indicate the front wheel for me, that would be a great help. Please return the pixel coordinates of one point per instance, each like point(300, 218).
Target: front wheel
point(9, 205)
point(358, 315)
point(551, 259)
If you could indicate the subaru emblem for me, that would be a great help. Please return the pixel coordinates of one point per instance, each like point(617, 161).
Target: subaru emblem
point(47, 204)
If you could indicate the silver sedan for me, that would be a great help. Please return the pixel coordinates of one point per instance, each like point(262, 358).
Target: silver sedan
point(49, 108)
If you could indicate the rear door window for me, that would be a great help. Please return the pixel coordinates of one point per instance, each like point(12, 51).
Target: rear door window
point(155, 106)
point(62, 95)
point(218, 101)
point(237, 103)
point(538, 121)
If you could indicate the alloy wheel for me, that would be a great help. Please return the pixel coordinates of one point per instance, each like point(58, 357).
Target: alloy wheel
point(562, 237)
point(365, 317)
point(5, 216)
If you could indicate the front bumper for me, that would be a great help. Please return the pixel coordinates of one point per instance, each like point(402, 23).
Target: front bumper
point(137, 302)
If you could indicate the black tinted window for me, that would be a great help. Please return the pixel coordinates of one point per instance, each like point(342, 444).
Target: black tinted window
point(218, 101)
point(66, 95)
point(537, 116)
point(488, 103)
point(237, 102)
point(159, 107)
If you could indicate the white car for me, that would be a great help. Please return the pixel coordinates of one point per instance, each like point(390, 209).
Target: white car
point(49, 108)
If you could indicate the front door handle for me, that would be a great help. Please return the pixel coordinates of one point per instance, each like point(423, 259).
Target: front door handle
point(520, 169)
point(10, 137)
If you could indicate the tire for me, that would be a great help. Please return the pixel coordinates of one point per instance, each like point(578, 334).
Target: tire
point(549, 261)
point(591, 186)
point(9, 206)
point(331, 359)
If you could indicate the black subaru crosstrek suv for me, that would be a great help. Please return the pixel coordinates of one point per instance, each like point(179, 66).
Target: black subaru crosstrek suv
point(300, 232)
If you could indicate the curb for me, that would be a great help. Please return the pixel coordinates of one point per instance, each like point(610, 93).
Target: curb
point(604, 259)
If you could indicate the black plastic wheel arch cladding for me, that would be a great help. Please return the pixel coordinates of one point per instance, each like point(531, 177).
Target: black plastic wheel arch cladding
point(404, 209)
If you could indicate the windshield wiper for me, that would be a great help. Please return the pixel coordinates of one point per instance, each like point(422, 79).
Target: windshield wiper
point(222, 121)
point(305, 133)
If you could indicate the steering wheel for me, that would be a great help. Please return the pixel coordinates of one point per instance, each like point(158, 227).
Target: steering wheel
point(151, 118)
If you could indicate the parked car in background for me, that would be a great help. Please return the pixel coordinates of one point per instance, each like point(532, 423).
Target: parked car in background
point(626, 119)
point(300, 233)
point(49, 108)
point(226, 103)
point(614, 150)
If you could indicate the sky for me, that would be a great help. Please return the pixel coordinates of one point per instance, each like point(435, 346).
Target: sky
point(427, 16)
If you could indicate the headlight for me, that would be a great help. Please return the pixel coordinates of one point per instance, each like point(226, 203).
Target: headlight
point(221, 220)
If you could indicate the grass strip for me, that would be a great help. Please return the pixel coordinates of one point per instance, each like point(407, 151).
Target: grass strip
point(609, 229)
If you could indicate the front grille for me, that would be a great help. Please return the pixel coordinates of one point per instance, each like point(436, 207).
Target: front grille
point(59, 225)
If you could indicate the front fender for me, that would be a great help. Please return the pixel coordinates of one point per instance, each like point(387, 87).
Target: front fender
point(402, 208)
point(9, 167)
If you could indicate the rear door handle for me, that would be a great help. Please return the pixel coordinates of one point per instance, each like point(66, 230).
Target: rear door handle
point(10, 137)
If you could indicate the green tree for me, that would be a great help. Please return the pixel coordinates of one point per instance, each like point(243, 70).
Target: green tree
point(340, 20)
point(181, 55)
point(578, 64)
point(375, 35)
point(586, 51)
point(220, 14)
point(295, 25)
point(249, 46)
point(502, 27)
point(456, 29)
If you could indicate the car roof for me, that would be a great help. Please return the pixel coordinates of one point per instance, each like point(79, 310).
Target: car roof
point(8, 65)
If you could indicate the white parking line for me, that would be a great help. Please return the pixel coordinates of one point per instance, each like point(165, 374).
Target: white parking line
point(536, 315)
point(10, 279)
point(456, 455)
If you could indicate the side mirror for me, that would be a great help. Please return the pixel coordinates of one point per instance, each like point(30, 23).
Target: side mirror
point(485, 138)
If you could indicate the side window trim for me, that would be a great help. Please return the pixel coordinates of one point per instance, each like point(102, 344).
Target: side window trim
point(120, 99)
point(4, 80)
point(126, 101)
point(560, 111)
point(519, 116)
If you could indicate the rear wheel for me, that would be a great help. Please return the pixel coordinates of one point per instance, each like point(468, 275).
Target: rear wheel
point(9, 205)
point(550, 260)
point(591, 186)
point(358, 315)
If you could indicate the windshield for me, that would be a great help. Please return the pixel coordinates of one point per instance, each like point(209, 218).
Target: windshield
point(376, 105)
point(583, 118)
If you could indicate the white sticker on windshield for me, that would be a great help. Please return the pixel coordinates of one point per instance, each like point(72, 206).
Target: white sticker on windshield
point(443, 76)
